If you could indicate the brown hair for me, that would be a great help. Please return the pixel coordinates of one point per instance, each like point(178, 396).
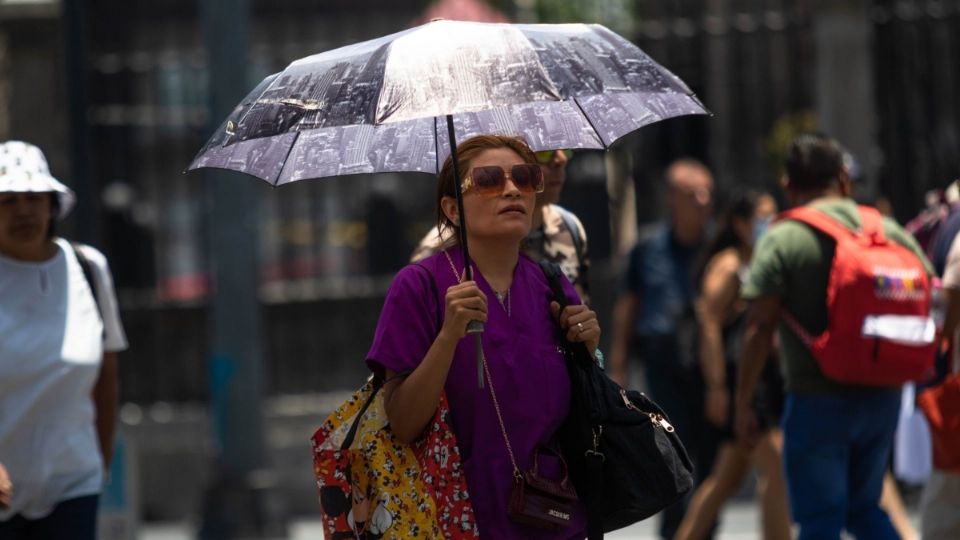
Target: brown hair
point(466, 152)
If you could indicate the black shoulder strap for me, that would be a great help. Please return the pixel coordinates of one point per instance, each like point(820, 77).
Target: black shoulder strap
point(553, 272)
point(593, 466)
point(554, 275)
point(87, 268)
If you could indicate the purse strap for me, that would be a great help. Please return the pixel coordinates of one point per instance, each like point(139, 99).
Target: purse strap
point(503, 429)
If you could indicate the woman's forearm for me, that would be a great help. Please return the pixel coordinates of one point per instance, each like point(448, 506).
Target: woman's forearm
point(712, 363)
point(105, 399)
point(412, 401)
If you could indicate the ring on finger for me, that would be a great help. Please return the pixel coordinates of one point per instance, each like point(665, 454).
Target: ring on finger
point(579, 327)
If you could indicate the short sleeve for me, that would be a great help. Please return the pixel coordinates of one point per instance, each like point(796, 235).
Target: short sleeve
point(408, 324)
point(766, 267)
point(115, 338)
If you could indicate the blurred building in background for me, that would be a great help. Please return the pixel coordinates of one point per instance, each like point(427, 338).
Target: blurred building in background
point(123, 85)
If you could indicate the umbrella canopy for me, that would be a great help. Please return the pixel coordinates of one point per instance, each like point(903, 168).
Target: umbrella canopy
point(379, 105)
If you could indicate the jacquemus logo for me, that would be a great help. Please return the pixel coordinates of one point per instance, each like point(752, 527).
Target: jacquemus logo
point(559, 514)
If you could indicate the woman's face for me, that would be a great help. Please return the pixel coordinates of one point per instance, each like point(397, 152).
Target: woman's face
point(507, 215)
point(763, 214)
point(24, 220)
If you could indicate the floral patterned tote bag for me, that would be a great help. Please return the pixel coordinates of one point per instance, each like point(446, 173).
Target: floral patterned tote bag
point(373, 486)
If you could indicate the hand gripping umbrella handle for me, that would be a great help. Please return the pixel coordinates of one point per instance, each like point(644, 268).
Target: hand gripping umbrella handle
point(473, 327)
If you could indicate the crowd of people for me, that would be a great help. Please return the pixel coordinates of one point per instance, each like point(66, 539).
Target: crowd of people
point(718, 314)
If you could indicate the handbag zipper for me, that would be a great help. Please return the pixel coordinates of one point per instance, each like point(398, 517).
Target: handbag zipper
point(656, 419)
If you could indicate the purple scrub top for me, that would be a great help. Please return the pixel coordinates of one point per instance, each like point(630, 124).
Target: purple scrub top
point(528, 373)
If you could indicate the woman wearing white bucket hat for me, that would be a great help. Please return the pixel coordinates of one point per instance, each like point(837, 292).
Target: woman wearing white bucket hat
point(58, 359)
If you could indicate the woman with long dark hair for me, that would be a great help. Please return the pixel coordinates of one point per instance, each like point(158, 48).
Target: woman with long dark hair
point(720, 313)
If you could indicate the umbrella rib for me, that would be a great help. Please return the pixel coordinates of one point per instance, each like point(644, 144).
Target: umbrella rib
point(593, 127)
point(257, 100)
point(286, 158)
point(436, 146)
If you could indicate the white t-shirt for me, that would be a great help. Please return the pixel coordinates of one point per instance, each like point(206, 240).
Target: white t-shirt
point(51, 346)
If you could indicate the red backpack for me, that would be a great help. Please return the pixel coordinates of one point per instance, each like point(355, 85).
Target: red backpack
point(879, 330)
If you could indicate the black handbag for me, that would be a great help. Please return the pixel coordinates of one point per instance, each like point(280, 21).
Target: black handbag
point(624, 458)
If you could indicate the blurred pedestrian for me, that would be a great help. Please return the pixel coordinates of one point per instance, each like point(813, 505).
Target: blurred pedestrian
point(890, 500)
point(939, 518)
point(526, 394)
point(556, 235)
point(837, 437)
point(58, 359)
point(654, 316)
point(720, 312)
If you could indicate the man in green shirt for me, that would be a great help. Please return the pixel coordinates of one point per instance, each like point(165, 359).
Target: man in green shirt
point(837, 437)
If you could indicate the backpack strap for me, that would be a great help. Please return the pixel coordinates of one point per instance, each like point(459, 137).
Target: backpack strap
point(87, 267)
point(871, 223)
point(871, 227)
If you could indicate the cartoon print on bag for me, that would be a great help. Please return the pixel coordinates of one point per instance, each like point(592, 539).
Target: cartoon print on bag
point(381, 521)
point(360, 509)
point(333, 501)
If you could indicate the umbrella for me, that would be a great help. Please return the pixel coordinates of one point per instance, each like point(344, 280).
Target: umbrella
point(380, 105)
point(398, 102)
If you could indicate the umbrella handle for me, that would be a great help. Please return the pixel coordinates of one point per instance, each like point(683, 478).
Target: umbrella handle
point(473, 327)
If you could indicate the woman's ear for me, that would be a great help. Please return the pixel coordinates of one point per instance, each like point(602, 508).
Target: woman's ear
point(450, 209)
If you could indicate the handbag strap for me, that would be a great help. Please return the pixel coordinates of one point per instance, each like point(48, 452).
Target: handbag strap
point(553, 272)
point(593, 461)
point(352, 434)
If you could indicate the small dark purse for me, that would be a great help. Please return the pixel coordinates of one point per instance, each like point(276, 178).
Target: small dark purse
point(535, 500)
point(542, 502)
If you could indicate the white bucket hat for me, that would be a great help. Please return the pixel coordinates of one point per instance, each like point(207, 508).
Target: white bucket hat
point(23, 169)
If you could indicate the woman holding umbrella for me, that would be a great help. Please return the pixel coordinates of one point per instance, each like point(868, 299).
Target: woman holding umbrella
point(503, 426)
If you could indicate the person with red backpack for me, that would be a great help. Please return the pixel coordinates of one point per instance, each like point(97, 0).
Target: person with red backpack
point(850, 294)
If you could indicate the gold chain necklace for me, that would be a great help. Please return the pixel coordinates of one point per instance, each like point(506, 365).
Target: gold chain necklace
point(502, 298)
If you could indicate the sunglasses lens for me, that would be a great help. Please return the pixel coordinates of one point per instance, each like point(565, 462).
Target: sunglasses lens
point(527, 177)
point(488, 179)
